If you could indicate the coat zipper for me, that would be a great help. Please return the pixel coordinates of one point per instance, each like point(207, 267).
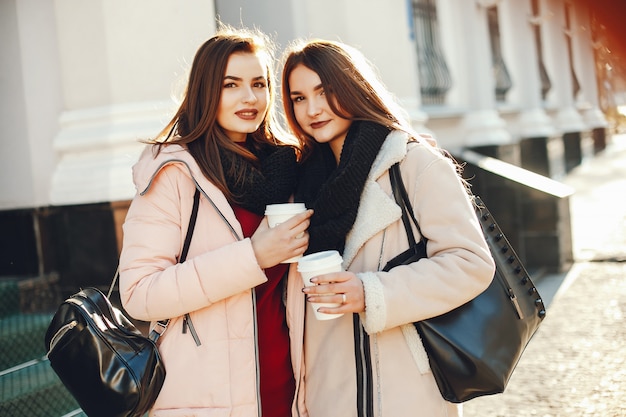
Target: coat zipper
point(188, 324)
point(256, 354)
point(61, 332)
point(363, 357)
point(300, 319)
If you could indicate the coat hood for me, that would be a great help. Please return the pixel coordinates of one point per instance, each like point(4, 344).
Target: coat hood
point(150, 163)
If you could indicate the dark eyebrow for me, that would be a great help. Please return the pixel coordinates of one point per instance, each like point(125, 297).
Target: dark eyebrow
point(232, 77)
point(316, 88)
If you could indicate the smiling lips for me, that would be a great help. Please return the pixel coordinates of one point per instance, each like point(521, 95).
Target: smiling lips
point(318, 125)
point(247, 114)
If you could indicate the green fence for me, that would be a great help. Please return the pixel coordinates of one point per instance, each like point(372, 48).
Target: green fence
point(28, 385)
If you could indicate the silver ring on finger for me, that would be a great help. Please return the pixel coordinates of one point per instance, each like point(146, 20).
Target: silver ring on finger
point(343, 298)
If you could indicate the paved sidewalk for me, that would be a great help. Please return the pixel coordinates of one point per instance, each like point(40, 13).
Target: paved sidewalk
point(575, 365)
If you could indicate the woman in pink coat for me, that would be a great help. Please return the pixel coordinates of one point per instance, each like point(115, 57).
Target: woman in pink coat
point(227, 348)
point(370, 362)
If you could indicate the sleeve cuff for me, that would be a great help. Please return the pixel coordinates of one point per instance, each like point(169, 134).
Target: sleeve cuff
point(375, 315)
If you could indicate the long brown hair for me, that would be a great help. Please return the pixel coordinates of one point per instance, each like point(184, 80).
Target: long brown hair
point(195, 123)
point(352, 86)
point(353, 91)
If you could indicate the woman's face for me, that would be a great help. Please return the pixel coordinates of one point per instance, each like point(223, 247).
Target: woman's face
point(312, 111)
point(245, 96)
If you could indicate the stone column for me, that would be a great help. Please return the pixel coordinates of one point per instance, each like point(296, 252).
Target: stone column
point(568, 119)
point(122, 66)
point(482, 123)
point(120, 63)
point(584, 60)
point(541, 148)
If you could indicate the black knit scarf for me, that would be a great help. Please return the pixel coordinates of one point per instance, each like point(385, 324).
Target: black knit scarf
point(272, 181)
point(334, 191)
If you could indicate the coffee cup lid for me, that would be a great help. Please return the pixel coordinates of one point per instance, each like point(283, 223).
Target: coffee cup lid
point(285, 208)
point(319, 260)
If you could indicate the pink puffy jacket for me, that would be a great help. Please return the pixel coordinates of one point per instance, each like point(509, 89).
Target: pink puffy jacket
point(220, 376)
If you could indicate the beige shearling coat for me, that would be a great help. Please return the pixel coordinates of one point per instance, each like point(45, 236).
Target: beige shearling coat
point(459, 267)
point(218, 378)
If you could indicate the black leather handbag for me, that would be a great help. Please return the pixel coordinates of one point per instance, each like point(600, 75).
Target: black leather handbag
point(104, 361)
point(474, 349)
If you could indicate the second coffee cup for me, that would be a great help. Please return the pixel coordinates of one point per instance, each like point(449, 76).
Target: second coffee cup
point(279, 213)
point(320, 263)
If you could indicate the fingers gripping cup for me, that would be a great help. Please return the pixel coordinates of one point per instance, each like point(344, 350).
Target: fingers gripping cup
point(316, 264)
point(279, 213)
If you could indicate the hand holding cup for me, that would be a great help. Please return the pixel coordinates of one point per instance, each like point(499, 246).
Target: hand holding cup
point(280, 213)
point(273, 245)
point(320, 263)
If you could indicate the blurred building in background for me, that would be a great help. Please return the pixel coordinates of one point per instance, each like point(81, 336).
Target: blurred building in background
point(522, 91)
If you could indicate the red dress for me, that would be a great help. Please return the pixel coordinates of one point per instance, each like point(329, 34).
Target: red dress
point(277, 380)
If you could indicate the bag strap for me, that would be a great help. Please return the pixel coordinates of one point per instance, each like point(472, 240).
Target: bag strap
point(402, 198)
point(162, 324)
point(192, 225)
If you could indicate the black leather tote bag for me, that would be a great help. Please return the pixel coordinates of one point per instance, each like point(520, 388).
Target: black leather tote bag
point(104, 361)
point(474, 349)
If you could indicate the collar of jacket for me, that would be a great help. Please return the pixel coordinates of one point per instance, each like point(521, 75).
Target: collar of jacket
point(377, 209)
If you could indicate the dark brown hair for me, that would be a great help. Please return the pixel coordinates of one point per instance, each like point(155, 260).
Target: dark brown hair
point(353, 91)
point(195, 122)
point(352, 87)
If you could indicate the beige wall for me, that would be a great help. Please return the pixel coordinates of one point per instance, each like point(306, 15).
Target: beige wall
point(121, 65)
point(83, 81)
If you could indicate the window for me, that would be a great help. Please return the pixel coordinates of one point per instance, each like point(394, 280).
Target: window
point(500, 72)
point(546, 84)
point(570, 53)
point(435, 79)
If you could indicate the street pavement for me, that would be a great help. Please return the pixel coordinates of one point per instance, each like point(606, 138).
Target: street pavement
point(575, 365)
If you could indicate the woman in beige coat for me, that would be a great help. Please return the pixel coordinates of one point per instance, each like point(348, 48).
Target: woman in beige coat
point(227, 347)
point(372, 363)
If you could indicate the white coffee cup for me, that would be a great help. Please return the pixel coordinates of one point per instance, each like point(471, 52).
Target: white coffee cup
point(320, 263)
point(280, 213)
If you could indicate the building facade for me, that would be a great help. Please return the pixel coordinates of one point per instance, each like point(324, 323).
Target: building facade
point(83, 83)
